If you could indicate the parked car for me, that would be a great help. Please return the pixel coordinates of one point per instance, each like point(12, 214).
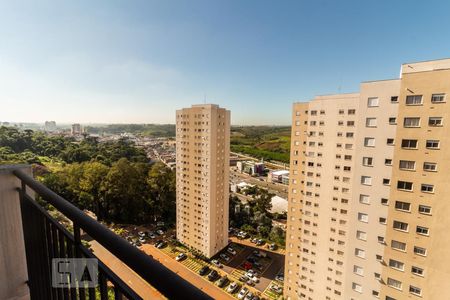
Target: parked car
point(213, 275)
point(216, 263)
point(141, 239)
point(254, 240)
point(249, 296)
point(141, 234)
point(222, 281)
point(232, 287)
point(272, 247)
point(275, 288)
point(256, 297)
point(250, 282)
point(152, 236)
point(137, 244)
point(180, 257)
point(204, 270)
point(259, 242)
point(231, 251)
point(160, 244)
point(224, 257)
point(280, 277)
point(243, 278)
point(160, 232)
point(242, 293)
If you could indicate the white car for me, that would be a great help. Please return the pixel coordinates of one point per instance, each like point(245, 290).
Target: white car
point(216, 263)
point(141, 234)
point(224, 257)
point(242, 293)
point(160, 232)
point(142, 239)
point(231, 251)
point(249, 296)
point(232, 287)
point(180, 256)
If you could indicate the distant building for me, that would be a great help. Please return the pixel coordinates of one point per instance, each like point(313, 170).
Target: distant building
point(250, 167)
point(76, 129)
point(279, 204)
point(277, 176)
point(50, 126)
point(202, 171)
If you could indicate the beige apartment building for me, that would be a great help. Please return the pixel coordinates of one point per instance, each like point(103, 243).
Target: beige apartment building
point(366, 215)
point(202, 174)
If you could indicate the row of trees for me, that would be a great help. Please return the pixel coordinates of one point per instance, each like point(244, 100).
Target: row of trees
point(255, 217)
point(126, 192)
point(28, 146)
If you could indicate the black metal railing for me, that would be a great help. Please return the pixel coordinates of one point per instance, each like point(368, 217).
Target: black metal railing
point(46, 239)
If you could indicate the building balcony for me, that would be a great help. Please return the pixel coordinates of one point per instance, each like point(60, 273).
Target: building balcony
point(31, 239)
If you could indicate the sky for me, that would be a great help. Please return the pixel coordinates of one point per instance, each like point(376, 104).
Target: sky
point(138, 61)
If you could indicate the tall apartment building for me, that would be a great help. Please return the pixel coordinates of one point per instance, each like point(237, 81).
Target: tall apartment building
point(76, 129)
point(417, 255)
point(366, 216)
point(202, 169)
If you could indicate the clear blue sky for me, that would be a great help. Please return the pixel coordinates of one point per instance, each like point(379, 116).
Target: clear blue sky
point(138, 61)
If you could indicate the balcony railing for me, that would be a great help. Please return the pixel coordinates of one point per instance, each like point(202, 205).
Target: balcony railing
point(45, 239)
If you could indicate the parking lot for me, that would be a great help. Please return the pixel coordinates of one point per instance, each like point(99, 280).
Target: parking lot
point(247, 265)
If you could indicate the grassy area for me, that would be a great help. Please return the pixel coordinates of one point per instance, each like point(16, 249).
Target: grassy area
point(268, 142)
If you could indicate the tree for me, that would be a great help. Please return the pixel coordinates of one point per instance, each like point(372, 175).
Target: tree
point(161, 181)
point(278, 235)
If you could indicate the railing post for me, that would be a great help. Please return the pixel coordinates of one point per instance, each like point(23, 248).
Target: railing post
point(13, 269)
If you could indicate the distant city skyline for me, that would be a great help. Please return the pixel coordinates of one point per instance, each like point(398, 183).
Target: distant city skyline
point(109, 62)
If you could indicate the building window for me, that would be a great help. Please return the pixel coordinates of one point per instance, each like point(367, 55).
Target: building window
point(398, 245)
point(404, 185)
point(395, 264)
point(371, 122)
point(384, 201)
point(350, 123)
point(366, 180)
point(411, 122)
point(415, 290)
point(407, 165)
point(360, 253)
point(372, 102)
point(429, 167)
point(363, 217)
point(386, 181)
point(422, 230)
point(432, 144)
point(420, 251)
point(414, 100)
point(392, 121)
point(435, 121)
point(357, 287)
point(424, 209)
point(409, 144)
point(390, 142)
point(351, 111)
point(427, 188)
point(438, 98)
point(417, 271)
point(394, 283)
point(382, 220)
point(368, 161)
point(400, 226)
point(358, 270)
point(404, 206)
point(365, 199)
point(341, 111)
point(369, 142)
point(388, 162)
point(361, 235)
point(394, 99)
